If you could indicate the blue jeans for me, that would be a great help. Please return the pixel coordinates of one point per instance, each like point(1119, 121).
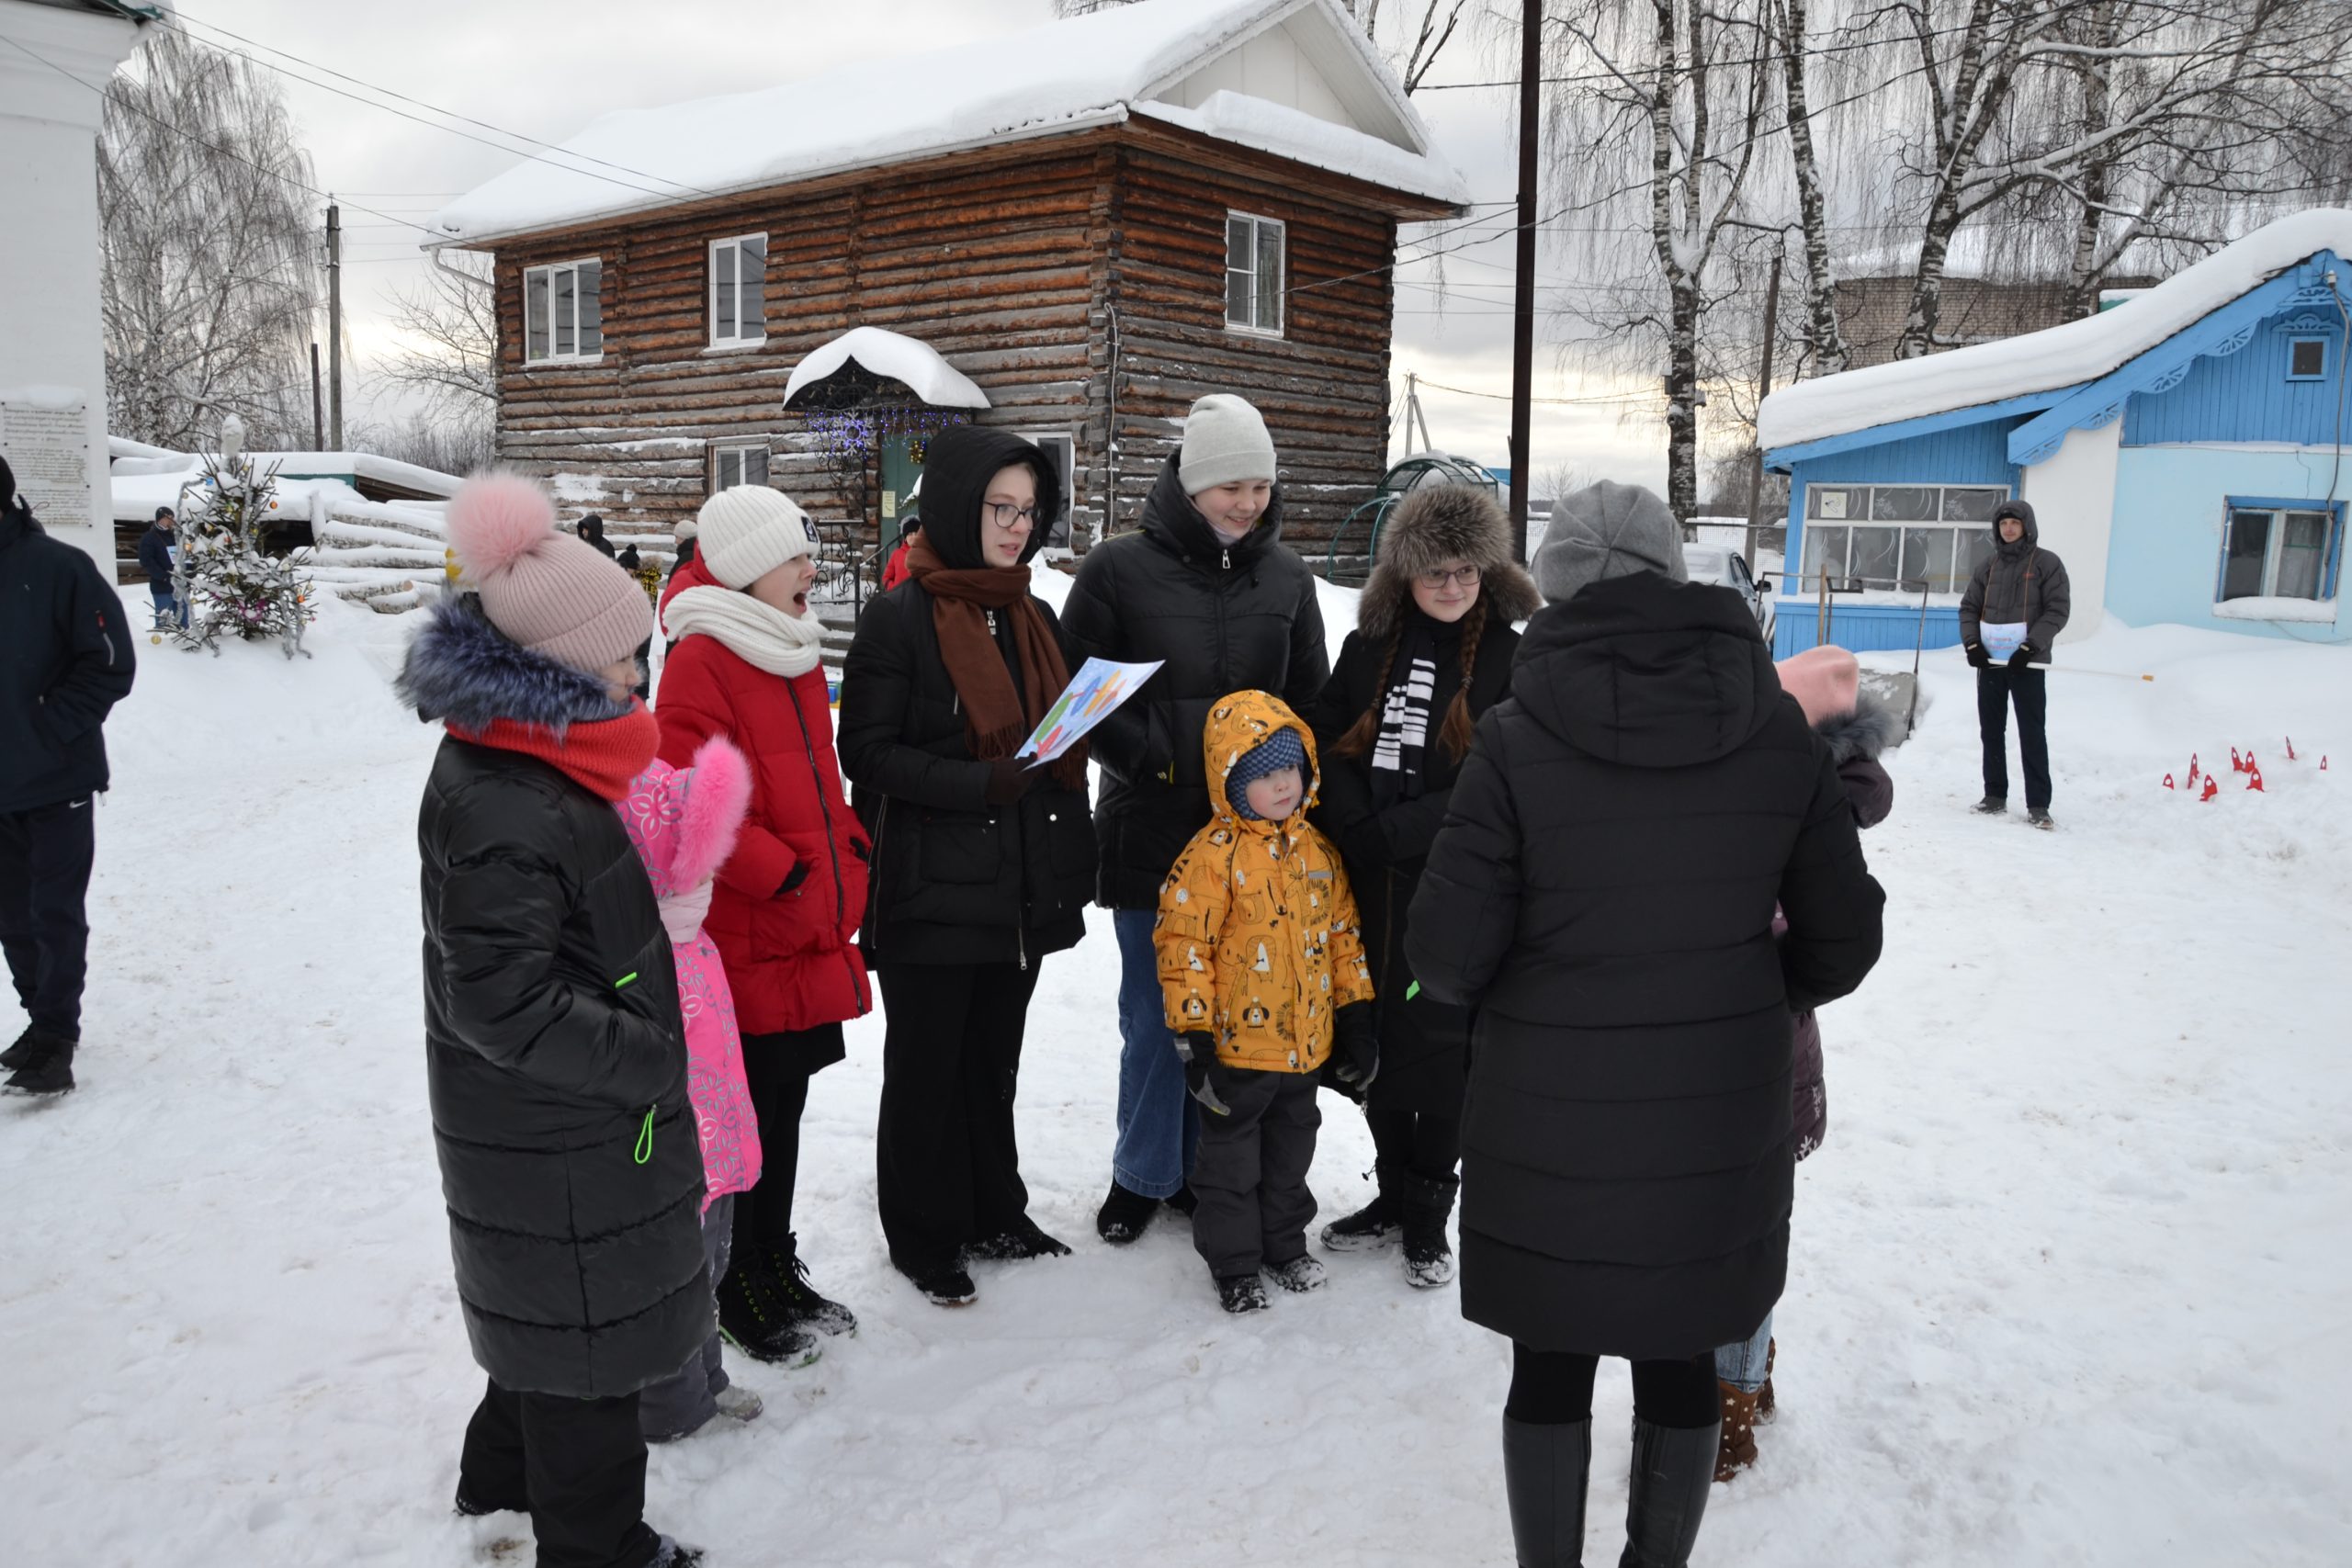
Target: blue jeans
point(166, 607)
point(1742, 1366)
point(1160, 1127)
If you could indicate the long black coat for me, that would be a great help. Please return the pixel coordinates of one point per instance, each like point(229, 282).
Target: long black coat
point(1421, 1038)
point(577, 1235)
point(955, 880)
point(1603, 893)
point(65, 660)
point(1224, 619)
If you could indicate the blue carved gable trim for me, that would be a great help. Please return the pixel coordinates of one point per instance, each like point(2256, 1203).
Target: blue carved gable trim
point(1783, 459)
point(2221, 333)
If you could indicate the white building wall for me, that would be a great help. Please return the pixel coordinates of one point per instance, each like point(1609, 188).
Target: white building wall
point(52, 348)
point(1276, 67)
point(2073, 495)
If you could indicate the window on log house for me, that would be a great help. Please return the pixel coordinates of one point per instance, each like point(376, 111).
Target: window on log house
point(1061, 448)
point(738, 465)
point(562, 312)
point(1253, 274)
point(739, 310)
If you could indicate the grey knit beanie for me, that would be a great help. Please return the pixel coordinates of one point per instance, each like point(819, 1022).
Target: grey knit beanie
point(1603, 531)
point(1225, 441)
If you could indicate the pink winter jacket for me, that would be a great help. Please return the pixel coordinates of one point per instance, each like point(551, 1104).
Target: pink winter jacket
point(684, 822)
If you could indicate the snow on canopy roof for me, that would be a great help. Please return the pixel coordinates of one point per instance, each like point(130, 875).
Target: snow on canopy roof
point(2055, 357)
point(894, 355)
point(1092, 70)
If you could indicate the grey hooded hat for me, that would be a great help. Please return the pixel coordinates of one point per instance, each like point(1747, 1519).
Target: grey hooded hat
point(1603, 531)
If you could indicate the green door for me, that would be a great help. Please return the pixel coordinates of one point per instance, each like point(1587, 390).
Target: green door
point(899, 471)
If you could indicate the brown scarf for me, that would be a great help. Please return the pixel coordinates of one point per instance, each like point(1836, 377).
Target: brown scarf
point(997, 718)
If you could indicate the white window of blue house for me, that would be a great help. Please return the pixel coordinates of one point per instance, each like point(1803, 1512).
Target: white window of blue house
point(2279, 550)
point(563, 317)
point(1897, 537)
point(2306, 359)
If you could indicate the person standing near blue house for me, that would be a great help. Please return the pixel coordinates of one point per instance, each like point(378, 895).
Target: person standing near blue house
point(2016, 605)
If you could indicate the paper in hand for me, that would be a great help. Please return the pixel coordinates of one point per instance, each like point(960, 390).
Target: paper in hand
point(1098, 689)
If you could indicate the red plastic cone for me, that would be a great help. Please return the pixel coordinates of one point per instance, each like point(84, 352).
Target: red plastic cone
point(2212, 788)
point(2237, 763)
point(2254, 779)
point(2193, 770)
point(2290, 748)
point(2169, 781)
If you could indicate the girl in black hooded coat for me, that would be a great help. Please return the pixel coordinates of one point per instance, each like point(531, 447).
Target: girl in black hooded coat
point(1431, 651)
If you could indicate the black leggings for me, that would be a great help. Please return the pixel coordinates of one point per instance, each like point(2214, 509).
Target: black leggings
point(1553, 1388)
point(779, 1093)
point(1417, 1141)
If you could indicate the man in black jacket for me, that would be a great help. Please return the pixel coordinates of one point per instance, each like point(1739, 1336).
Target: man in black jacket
point(2019, 584)
point(1205, 587)
point(156, 548)
point(66, 659)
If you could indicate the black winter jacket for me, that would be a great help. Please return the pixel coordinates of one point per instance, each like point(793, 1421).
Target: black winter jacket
point(1602, 895)
point(155, 554)
point(65, 660)
point(552, 1034)
point(1421, 1038)
point(1224, 619)
point(955, 880)
point(2019, 582)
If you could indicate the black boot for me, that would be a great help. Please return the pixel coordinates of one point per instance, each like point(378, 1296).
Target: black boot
point(1124, 1216)
point(34, 1042)
point(1545, 1470)
point(797, 1299)
point(1372, 1226)
point(1427, 1202)
point(47, 1066)
point(1673, 1468)
point(752, 1317)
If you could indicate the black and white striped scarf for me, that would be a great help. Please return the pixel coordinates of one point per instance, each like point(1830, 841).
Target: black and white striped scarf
point(1405, 716)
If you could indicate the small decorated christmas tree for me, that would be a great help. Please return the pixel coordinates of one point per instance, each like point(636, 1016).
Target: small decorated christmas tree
point(231, 584)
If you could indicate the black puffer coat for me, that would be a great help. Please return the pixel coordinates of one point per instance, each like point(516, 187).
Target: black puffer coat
point(65, 660)
point(955, 880)
point(1225, 619)
point(1603, 893)
point(552, 1031)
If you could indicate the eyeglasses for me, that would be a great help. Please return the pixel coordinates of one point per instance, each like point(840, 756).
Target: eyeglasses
point(1466, 575)
point(1004, 515)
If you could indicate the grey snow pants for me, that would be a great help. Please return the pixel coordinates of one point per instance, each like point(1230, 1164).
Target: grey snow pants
point(1249, 1175)
point(681, 1401)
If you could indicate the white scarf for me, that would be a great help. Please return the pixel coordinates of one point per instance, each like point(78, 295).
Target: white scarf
point(760, 635)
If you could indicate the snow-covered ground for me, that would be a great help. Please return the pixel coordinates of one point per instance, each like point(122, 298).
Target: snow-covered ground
point(2070, 1281)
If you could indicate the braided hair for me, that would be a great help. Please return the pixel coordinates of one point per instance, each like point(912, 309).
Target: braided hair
point(1454, 732)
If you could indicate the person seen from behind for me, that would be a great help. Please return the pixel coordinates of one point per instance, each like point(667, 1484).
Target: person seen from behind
point(1263, 974)
point(555, 1057)
point(2020, 592)
point(1602, 897)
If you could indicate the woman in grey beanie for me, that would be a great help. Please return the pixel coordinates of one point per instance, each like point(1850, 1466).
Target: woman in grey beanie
point(1203, 585)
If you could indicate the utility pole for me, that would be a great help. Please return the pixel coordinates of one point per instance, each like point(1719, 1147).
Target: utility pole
point(1523, 327)
point(318, 415)
point(1763, 386)
point(335, 326)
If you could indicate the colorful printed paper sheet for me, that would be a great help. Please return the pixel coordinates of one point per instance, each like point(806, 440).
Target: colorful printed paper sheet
point(2000, 639)
point(1092, 693)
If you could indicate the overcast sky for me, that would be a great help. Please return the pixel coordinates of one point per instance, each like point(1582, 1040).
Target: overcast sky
point(544, 68)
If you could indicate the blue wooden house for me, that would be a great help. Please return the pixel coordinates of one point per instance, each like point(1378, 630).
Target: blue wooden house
point(2183, 453)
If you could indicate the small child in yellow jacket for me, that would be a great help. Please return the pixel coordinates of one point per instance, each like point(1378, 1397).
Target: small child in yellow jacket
point(1262, 971)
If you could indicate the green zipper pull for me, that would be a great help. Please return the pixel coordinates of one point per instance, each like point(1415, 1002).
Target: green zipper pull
point(623, 982)
point(1412, 990)
point(645, 1138)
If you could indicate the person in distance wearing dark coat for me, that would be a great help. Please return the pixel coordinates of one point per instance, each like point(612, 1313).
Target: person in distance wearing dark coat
point(2019, 584)
point(65, 660)
point(1431, 651)
point(1203, 585)
point(555, 1054)
point(982, 864)
point(1601, 896)
point(157, 545)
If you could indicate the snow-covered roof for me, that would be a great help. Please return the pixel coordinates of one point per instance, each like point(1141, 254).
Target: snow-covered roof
point(894, 355)
point(140, 484)
point(2054, 358)
point(1315, 92)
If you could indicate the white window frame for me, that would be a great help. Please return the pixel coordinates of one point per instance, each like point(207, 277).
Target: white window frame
point(1066, 469)
point(1808, 567)
point(715, 474)
point(2297, 342)
point(579, 355)
point(2274, 547)
point(741, 339)
point(1257, 223)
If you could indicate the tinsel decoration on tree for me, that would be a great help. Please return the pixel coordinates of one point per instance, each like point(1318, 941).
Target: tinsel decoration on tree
point(649, 577)
point(228, 583)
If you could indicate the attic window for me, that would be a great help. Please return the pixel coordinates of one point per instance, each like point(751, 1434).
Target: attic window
point(562, 313)
point(1253, 274)
point(2306, 358)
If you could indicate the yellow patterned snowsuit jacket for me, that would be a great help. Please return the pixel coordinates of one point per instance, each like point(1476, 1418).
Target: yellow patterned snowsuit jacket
point(1257, 937)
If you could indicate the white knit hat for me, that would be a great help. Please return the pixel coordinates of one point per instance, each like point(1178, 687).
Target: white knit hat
point(749, 531)
point(1225, 441)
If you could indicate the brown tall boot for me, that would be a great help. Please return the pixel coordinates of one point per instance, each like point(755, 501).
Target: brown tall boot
point(1764, 1394)
point(1736, 1450)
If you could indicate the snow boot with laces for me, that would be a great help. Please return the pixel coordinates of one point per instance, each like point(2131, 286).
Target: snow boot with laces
point(1666, 1497)
point(1427, 1202)
point(799, 1300)
point(1374, 1226)
point(752, 1317)
point(33, 1043)
point(47, 1067)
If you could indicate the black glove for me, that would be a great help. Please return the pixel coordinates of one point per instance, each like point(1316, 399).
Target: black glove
point(2024, 654)
point(1355, 1050)
point(858, 847)
point(1009, 779)
point(799, 874)
point(1977, 657)
point(1204, 1074)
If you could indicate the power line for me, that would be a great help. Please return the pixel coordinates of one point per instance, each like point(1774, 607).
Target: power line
point(1552, 403)
point(1775, 58)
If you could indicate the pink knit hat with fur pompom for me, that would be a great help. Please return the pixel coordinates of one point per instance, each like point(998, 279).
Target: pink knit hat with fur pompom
point(554, 594)
point(1825, 681)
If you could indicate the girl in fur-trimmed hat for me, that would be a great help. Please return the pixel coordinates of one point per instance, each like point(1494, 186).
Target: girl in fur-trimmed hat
point(1431, 652)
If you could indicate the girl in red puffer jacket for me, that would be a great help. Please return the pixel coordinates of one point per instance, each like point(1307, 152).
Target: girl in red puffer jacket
point(788, 900)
